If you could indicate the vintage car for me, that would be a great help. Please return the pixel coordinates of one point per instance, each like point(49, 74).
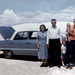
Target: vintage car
point(20, 43)
point(21, 39)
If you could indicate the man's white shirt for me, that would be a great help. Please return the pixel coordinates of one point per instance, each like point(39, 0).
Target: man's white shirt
point(54, 33)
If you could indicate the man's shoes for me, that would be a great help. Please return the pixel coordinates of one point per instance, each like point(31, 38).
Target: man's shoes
point(71, 66)
point(50, 65)
point(67, 66)
point(59, 66)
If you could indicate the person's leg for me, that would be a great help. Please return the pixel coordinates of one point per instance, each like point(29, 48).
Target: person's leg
point(62, 61)
point(45, 61)
point(72, 53)
point(42, 65)
point(57, 52)
point(51, 57)
point(42, 61)
point(68, 52)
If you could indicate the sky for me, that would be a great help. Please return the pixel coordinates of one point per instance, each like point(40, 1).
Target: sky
point(14, 12)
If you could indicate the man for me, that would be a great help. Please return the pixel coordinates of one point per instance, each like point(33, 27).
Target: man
point(53, 44)
point(70, 48)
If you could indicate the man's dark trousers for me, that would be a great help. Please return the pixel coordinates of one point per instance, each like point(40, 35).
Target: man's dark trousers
point(54, 52)
point(70, 52)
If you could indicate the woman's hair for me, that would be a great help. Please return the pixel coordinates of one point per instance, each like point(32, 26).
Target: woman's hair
point(43, 26)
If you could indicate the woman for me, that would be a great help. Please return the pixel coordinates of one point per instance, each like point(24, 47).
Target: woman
point(41, 45)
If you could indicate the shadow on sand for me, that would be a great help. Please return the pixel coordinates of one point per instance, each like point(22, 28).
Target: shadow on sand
point(22, 57)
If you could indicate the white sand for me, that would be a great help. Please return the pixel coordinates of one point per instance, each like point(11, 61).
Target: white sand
point(23, 67)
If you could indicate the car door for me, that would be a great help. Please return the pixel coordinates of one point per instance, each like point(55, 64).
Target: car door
point(32, 43)
point(19, 43)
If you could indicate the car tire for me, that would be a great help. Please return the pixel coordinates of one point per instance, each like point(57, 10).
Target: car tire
point(8, 54)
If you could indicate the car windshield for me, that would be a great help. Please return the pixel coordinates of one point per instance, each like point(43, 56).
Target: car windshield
point(34, 34)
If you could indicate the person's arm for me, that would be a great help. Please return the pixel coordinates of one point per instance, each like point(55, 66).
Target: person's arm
point(47, 45)
point(60, 36)
point(72, 33)
point(38, 40)
point(47, 39)
point(62, 49)
point(37, 43)
point(67, 30)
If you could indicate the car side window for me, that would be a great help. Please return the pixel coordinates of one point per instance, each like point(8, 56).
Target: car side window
point(21, 36)
point(32, 35)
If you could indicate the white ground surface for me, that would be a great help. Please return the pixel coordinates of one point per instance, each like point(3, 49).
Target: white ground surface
point(24, 67)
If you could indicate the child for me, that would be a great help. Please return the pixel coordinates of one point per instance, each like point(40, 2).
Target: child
point(63, 51)
point(68, 30)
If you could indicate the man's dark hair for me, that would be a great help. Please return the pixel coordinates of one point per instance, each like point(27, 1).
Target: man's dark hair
point(53, 20)
point(74, 19)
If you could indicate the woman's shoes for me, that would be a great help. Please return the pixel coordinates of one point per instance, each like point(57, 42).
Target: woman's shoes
point(59, 66)
point(44, 65)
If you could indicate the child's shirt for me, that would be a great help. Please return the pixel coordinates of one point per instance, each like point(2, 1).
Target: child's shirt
point(68, 28)
point(63, 49)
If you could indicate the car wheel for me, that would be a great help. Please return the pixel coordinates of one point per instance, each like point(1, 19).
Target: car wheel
point(8, 54)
